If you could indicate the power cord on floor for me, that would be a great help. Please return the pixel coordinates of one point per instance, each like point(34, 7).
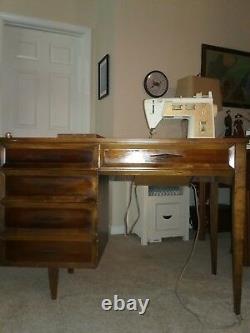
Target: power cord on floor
point(180, 276)
point(128, 230)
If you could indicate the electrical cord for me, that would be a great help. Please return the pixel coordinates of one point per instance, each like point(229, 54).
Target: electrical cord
point(128, 230)
point(127, 210)
point(190, 255)
point(180, 276)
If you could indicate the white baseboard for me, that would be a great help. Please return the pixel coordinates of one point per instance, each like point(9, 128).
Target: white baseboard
point(117, 230)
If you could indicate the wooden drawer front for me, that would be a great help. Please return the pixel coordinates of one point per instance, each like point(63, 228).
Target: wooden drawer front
point(19, 217)
point(86, 155)
point(38, 252)
point(51, 186)
point(132, 157)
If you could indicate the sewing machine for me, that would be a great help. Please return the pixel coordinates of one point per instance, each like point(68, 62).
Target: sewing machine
point(199, 110)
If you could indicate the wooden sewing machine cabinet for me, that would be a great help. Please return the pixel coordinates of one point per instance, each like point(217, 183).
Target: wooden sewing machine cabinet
point(54, 206)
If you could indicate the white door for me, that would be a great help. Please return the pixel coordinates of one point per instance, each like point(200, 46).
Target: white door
point(43, 83)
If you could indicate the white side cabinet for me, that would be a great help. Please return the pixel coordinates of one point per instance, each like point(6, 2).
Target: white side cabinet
point(164, 212)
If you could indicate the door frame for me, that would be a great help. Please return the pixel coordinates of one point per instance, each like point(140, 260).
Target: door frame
point(84, 35)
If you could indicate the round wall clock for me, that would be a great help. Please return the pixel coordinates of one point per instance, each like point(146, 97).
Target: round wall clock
point(156, 83)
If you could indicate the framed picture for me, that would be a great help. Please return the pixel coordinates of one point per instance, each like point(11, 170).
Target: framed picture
point(103, 77)
point(232, 68)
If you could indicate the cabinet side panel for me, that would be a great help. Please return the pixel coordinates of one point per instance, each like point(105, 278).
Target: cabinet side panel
point(103, 215)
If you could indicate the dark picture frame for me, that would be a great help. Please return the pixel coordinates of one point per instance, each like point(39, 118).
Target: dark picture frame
point(232, 68)
point(103, 77)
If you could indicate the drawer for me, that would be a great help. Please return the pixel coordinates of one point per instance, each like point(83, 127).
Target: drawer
point(42, 253)
point(50, 217)
point(169, 156)
point(84, 186)
point(85, 155)
point(168, 216)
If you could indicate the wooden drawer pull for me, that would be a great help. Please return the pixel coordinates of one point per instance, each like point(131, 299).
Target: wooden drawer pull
point(166, 155)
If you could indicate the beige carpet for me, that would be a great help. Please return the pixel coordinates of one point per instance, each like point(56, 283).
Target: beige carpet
point(130, 271)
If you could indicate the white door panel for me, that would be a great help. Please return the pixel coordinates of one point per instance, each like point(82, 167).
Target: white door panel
point(43, 84)
point(60, 87)
point(25, 112)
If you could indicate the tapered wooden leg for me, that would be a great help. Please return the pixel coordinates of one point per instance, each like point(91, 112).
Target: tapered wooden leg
point(202, 209)
point(247, 232)
point(53, 281)
point(70, 270)
point(238, 227)
point(214, 224)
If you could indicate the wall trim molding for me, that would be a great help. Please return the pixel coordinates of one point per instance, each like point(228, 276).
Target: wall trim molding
point(42, 24)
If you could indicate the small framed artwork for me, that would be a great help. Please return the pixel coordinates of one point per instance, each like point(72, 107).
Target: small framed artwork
point(103, 77)
point(232, 68)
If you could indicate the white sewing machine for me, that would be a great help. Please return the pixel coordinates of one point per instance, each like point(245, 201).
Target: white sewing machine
point(199, 110)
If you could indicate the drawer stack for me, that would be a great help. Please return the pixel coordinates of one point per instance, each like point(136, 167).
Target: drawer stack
point(50, 204)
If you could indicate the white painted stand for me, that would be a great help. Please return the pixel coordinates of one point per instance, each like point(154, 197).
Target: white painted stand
point(164, 213)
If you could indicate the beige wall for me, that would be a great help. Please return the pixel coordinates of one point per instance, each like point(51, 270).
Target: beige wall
point(104, 44)
point(80, 12)
point(167, 35)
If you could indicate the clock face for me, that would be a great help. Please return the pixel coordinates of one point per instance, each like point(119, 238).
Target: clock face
point(156, 84)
